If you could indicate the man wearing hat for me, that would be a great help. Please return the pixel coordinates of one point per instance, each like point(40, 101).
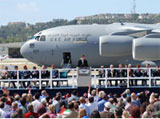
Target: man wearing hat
point(106, 113)
point(82, 62)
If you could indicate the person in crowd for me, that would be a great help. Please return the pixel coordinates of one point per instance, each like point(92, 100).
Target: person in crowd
point(112, 73)
point(82, 62)
point(36, 103)
point(14, 108)
point(95, 114)
point(23, 105)
point(137, 73)
point(92, 105)
point(102, 74)
point(43, 95)
point(5, 74)
point(135, 112)
point(2, 111)
point(82, 113)
point(35, 75)
point(93, 93)
point(42, 108)
point(145, 74)
point(134, 100)
point(31, 113)
point(74, 96)
point(73, 113)
point(51, 112)
point(106, 113)
point(128, 105)
point(83, 105)
point(155, 73)
point(121, 73)
point(102, 102)
point(55, 74)
point(13, 75)
point(25, 74)
point(118, 112)
point(45, 74)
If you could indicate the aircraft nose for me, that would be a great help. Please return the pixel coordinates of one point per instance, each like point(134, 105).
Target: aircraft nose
point(25, 50)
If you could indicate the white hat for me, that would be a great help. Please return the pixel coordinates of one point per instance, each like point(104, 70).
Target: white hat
point(107, 105)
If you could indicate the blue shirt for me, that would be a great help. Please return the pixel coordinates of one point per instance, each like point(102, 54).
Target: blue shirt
point(86, 108)
point(101, 105)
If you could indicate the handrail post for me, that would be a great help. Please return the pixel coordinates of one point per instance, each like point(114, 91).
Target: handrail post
point(106, 78)
point(94, 78)
point(40, 85)
point(128, 78)
point(51, 79)
point(150, 77)
point(17, 79)
point(72, 78)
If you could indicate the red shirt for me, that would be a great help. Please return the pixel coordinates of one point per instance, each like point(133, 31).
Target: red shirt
point(31, 115)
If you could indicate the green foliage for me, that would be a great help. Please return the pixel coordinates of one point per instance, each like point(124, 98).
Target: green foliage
point(19, 32)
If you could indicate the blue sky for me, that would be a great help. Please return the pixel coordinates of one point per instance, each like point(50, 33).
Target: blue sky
point(32, 11)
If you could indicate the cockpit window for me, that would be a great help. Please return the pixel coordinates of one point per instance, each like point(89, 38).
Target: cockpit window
point(31, 45)
point(43, 38)
point(37, 38)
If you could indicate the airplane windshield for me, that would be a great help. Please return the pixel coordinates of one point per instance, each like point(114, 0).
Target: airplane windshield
point(43, 38)
point(37, 38)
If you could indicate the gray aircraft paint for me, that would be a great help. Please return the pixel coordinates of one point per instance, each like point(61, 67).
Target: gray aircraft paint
point(84, 39)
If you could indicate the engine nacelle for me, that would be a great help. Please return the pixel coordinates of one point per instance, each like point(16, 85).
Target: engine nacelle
point(146, 49)
point(115, 45)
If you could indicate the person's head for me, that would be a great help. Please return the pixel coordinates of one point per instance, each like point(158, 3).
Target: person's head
point(52, 108)
point(23, 101)
point(111, 100)
point(30, 108)
point(147, 65)
point(101, 94)
point(14, 115)
point(44, 92)
point(59, 94)
point(82, 100)
point(24, 95)
point(138, 66)
point(93, 92)
point(91, 99)
point(62, 104)
point(102, 67)
point(14, 105)
point(118, 112)
point(17, 97)
point(83, 57)
point(125, 114)
point(107, 106)
point(133, 96)
point(120, 66)
point(58, 98)
point(43, 67)
point(15, 67)
point(5, 68)
point(135, 112)
point(152, 98)
point(128, 99)
point(75, 92)
point(129, 66)
point(29, 97)
point(143, 107)
point(20, 112)
point(44, 102)
point(25, 67)
point(111, 66)
point(53, 66)
point(95, 114)
point(76, 106)
point(1, 105)
point(81, 113)
point(37, 96)
point(34, 68)
point(71, 106)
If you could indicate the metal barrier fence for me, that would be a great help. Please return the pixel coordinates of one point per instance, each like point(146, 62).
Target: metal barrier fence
point(71, 75)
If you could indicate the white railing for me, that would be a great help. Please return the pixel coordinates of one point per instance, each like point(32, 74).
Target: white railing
point(72, 77)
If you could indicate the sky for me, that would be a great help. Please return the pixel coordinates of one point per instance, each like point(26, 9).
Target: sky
point(32, 11)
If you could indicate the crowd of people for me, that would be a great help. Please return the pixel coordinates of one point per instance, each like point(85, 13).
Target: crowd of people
point(112, 72)
point(92, 104)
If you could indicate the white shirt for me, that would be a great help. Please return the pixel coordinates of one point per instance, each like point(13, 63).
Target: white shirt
point(92, 106)
point(2, 113)
point(36, 104)
point(95, 97)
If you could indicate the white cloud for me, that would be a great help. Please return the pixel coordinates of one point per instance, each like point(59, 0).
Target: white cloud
point(28, 7)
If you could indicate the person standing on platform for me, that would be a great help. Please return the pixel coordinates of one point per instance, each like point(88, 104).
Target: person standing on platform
point(82, 63)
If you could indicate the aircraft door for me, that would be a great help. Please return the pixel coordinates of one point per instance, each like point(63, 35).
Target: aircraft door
point(66, 62)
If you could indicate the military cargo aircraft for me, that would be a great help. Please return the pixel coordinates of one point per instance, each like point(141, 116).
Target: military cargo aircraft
point(115, 43)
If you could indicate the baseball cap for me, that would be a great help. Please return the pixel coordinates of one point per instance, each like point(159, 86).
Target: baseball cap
point(107, 105)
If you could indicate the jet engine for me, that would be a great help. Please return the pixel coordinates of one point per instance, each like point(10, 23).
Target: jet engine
point(146, 49)
point(117, 45)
